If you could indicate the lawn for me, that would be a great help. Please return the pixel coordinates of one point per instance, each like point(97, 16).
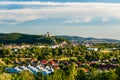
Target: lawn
point(105, 51)
point(67, 58)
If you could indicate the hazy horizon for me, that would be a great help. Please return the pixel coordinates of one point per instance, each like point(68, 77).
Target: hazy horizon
point(84, 18)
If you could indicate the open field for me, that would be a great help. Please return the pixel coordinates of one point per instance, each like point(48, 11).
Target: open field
point(105, 51)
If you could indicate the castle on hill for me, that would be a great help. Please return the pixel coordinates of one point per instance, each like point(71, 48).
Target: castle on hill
point(47, 34)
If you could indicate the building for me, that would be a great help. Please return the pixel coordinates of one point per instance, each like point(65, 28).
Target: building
point(92, 49)
point(47, 34)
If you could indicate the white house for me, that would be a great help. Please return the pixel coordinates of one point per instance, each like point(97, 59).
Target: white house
point(92, 49)
point(45, 70)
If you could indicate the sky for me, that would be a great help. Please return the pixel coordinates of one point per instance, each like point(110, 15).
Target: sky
point(85, 18)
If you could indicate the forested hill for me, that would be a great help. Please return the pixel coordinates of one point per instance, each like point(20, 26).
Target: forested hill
point(18, 38)
point(89, 39)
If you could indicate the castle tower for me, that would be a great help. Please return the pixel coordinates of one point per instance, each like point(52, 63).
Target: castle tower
point(47, 34)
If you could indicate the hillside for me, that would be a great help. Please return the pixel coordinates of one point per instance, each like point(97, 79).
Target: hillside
point(89, 39)
point(18, 38)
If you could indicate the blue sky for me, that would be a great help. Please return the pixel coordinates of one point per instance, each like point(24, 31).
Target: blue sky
point(86, 18)
point(68, 0)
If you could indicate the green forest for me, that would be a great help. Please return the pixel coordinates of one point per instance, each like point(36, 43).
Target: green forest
point(18, 38)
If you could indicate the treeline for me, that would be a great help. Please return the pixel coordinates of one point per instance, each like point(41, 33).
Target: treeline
point(17, 38)
point(89, 39)
point(80, 52)
point(107, 45)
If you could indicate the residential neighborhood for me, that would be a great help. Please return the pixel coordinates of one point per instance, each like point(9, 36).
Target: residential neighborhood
point(47, 59)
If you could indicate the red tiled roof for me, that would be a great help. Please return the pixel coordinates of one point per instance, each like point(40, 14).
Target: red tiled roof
point(56, 67)
point(85, 70)
point(44, 61)
point(52, 62)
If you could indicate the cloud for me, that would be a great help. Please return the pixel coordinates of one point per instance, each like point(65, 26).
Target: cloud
point(79, 20)
point(105, 19)
point(39, 3)
point(71, 12)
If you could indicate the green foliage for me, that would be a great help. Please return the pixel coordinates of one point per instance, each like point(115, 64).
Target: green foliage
point(107, 76)
point(107, 45)
point(40, 58)
point(17, 38)
point(1, 68)
point(40, 76)
point(81, 59)
point(8, 60)
point(57, 75)
point(2, 65)
point(26, 75)
point(118, 72)
point(71, 54)
point(58, 40)
point(11, 36)
point(81, 75)
point(5, 76)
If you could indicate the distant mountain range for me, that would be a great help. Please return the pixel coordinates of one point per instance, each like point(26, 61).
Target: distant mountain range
point(18, 38)
point(89, 39)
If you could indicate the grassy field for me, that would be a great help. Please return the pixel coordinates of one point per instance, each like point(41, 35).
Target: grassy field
point(68, 58)
point(64, 58)
point(5, 76)
point(105, 51)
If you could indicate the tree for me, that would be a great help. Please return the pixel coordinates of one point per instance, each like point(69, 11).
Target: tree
point(117, 71)
point(70, 72)
point(107, 76)
point(5, 76)
point(57, 75)
point(40, 76)
point(1, 67)
point(40, 57)
point(26, 75)
point(81, 59)
point(81, 75)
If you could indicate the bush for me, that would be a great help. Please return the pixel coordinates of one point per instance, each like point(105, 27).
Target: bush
point(1, 69)
point(5, 76)
point(2, 65)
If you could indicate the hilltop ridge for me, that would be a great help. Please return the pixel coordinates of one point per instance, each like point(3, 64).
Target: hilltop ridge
point(19, 38)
